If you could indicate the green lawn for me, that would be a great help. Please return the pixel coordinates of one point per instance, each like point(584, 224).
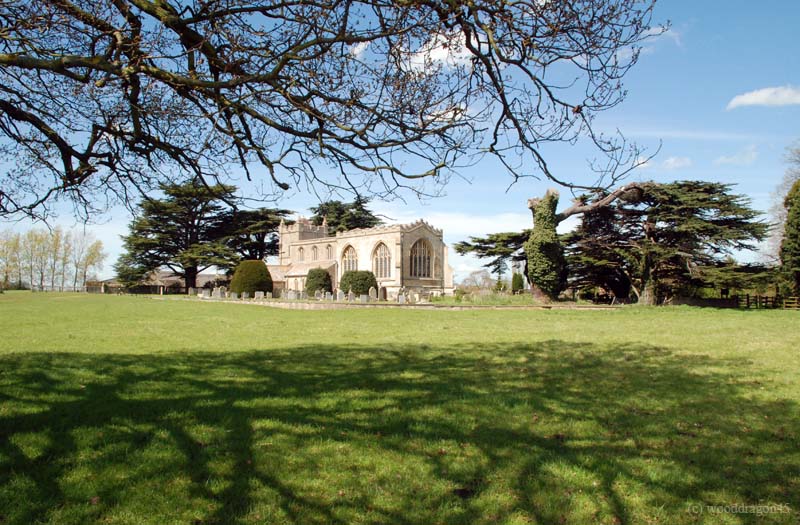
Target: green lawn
point(134, 410)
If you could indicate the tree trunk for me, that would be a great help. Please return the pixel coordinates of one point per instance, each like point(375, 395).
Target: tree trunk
point(539, 295)
point(190, 276)
point(648, 295)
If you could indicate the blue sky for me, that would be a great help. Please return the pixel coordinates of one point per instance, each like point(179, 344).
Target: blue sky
point(720, 91)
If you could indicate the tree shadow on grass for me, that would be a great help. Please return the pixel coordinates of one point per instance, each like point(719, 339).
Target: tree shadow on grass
point(551, 432)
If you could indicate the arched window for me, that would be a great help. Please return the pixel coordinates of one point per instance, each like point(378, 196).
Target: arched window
point(314, 253)
point(349, 259)
point(421, 259)
point(328, 252)
point(382, 262)
point(300, 255)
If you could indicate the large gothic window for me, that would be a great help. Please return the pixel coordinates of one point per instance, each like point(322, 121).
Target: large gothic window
point(300, 255)
point(381, 262)
point(349, 260)
point(421, 259)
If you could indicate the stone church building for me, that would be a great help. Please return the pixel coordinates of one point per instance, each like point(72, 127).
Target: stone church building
point(409, 257)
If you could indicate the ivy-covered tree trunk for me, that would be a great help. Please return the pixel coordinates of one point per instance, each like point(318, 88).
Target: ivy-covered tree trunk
point(790, 246)
point(546, 261)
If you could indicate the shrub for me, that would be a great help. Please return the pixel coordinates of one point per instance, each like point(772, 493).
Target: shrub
point(358, 281)
point(318, 279)
point(251, 277)
point(517, 283)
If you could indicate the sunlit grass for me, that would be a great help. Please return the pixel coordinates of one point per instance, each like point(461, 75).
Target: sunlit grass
point(134, 410)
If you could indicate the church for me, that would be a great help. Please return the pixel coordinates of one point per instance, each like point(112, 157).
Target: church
point(404, 257)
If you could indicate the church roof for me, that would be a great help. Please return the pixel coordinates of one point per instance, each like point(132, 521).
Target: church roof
point(301, 269)
point(390, 228)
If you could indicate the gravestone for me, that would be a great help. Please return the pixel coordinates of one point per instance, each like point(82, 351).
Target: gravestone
point(401, 298)
point(328, 296)
point(191, 292)
point(363, 298)
point(303, 296)
point(259, 296)
point(217, 294)
point(269, 295)
point(206, 293)
point(318, 295)
point(245, 295)
point(233, 295)
point(351, 296)
point(373, 293)
point(340, 295)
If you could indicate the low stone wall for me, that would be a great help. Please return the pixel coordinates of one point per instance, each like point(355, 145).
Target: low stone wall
point(325, 305)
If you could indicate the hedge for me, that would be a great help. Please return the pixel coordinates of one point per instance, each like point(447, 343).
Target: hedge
point(358, 281)
point(251, 277)
point(318, 279)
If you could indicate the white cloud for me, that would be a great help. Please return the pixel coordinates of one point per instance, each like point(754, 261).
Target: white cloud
point(676, 163)
point(771, 96)
point(358, 50)
point(658, 32)
point(745, 157)
point(447, 50)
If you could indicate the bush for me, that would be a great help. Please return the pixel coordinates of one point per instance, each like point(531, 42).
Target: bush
point(517, 283)
point(318, 279)
point(358, 281)
point(251, 277)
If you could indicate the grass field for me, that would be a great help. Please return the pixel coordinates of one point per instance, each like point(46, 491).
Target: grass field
point(140, 411)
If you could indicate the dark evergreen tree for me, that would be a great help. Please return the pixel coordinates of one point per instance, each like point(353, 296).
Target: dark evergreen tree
point(546, 262)
point(179, 231)
point(342, 216)
point(251, 234)
point(658, 241)
point(500, 248)
point(790, 245)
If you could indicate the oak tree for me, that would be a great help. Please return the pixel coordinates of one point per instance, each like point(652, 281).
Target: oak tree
point(102, 101)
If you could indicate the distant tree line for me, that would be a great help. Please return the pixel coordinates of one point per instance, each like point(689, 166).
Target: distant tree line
point(54, 259)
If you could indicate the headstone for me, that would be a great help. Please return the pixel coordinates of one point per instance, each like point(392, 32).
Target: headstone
point(318, 295)
point(351, 296)
point(233, 295)
point(328, 296)
point(373, 293)
point(224, 290)
point(363, 298)
point(340, 295)
point(259, 296)
point(191, 292)
point(217, 293)
point(269, 295)
point(206, 293)
point(245, 295)
point(303, 295)
point(401, 298)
